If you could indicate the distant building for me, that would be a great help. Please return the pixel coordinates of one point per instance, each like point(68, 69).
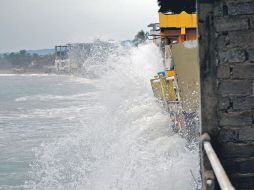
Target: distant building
point(68, 58)
point(62, 61)
point(80, 58)
point(154, 33)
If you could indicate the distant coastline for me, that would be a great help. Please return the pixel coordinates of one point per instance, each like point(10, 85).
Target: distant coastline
point(23, 62)
point(27, 71)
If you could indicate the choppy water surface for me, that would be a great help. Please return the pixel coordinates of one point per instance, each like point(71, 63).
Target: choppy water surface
point(101, 133)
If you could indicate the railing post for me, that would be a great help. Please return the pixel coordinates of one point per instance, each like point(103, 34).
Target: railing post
point(219, 171)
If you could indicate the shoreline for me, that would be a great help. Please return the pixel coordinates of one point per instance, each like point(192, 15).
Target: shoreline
point(22, 72)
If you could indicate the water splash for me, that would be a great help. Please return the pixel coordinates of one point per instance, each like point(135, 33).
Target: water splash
point(124, 141)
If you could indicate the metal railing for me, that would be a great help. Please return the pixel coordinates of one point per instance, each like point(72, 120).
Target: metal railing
point(218, 169)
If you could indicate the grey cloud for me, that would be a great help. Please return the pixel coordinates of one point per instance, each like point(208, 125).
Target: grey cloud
point(33, 24)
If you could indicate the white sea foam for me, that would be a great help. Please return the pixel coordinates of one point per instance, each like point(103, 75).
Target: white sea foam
point(32, 74)
point(55, 97)
point(124, 140)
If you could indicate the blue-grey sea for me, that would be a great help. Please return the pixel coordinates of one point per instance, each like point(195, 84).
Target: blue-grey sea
point(105, 132)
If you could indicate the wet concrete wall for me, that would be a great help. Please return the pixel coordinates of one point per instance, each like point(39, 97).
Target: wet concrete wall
point(226, 53)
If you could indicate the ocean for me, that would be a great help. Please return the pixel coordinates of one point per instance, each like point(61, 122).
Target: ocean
point(103, 131)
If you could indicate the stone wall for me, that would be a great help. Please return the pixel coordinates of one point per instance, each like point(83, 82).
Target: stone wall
point(226, 40)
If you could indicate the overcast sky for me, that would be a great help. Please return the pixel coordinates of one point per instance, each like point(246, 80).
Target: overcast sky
point(36, 24)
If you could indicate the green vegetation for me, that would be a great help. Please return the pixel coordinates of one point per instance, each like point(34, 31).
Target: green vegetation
point(140, 38)
point(24, 60)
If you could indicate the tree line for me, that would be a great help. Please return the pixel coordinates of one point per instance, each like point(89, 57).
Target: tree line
point(23, 59)
point(140, 37)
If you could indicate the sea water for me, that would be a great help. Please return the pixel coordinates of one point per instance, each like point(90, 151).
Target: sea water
point(105, 132)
